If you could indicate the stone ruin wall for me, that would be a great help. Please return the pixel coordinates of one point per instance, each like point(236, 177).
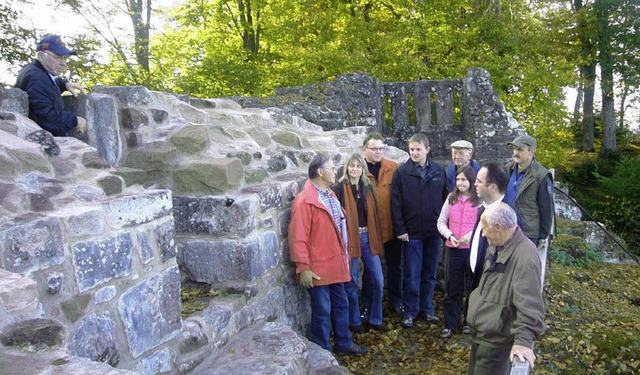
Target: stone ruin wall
point(98, 238)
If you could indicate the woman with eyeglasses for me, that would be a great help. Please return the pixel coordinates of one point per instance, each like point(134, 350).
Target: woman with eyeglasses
point(357, 197)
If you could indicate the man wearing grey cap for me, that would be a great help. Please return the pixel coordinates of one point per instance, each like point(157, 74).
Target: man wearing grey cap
point(530, 190)
point(39, 79)
point(461, 153)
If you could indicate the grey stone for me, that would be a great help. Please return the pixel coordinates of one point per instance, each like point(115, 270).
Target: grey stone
point(83, 222)
point(111, 185)
point(244, 156)
point(190, 139)
point(156, 363)
point(132, 118)
point(88, 193)
point(14, 100)
point(221, 261)
point(128, 96)
point(96, 339)
point(208, 177)
point(159, 115)
point(99, 261)
point(165, 232)
point(38, 333)
point(76, 307)
point(277, 163)
point(287, 139)
point(255, 176)
point(32, 246)
point(131, 176)
point(157, 297)
point(28, 161)
point(215, 216)
point(145, 249)
point(133, 139)
point(46, 140)
point(18, 296)
point(137, 209)
point(217, 315)
point(269, 195)
point(8, 116)
point(105, 294)
point(54, 283)
point(193, 336)
point(157, 159)
point(95, 160)
point(284, 218)
point(104, 132)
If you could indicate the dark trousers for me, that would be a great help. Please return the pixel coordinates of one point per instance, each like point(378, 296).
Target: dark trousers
point(393, 260)
point(458, 275)
point(485, 360)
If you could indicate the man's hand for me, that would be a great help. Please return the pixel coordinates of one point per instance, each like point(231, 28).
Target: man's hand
point(523, 354)
point(307, 277)
point(82, 125)
point(542, 243)
point(404, 237)
point(73, 87)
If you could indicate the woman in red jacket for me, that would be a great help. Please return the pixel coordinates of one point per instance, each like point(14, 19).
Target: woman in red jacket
point(457, 219)
point(357, 197)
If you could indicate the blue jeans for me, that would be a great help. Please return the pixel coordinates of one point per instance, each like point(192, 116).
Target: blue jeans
point(420, 268)
point(374, 267)
point(352, 289)
point(458, 274)
point(330, 302)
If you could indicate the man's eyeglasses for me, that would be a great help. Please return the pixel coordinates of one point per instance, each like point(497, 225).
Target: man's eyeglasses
point(376, 149)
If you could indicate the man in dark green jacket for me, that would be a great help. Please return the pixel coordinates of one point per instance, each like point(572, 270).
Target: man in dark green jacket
point(530, 190)
point(506, 311)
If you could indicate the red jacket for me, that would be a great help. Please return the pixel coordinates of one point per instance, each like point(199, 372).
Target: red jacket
point(315, 242)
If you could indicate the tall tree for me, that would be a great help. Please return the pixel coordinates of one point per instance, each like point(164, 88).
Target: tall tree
point(16, 42)
point(604, 10)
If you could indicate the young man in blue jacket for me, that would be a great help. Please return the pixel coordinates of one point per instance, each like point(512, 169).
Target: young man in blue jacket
point(417, 194)
point(39, 79)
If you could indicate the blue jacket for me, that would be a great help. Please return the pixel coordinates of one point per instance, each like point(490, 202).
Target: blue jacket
point(416, 202)
point(45, 102)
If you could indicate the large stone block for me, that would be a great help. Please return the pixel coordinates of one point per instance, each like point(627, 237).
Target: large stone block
point(158, 362)
point(82, 222)
point(104, 132)
point(215, 216)
point(31, 246)
point(99, 261)
point(165, 239)
point(129, 96)
point(221, 261)
point(36, 333)
point(96, 339)
point(213, 176)
point(157, 159)
point(18, 297)
point(14, 100)
point(150, 311)
point(269, 195)
point(138, 209)
point(190, 139)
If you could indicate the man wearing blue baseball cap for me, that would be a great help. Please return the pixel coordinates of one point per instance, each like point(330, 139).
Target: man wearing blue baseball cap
point(39, 79)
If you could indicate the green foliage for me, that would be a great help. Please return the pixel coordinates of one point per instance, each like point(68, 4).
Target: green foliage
point(17, 44)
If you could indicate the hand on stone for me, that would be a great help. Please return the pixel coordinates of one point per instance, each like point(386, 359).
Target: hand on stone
point(73, 87)
point(307, 277)
point(523, 354)
point(82, 125)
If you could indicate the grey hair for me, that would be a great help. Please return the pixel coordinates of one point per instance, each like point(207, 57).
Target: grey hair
point(316, 163)
point(501, 214)
point(365, 170)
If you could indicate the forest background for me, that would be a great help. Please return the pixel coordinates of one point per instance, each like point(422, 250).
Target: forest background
point(535, 50)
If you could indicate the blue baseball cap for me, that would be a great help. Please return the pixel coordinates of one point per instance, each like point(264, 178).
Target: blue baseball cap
point(54, 44)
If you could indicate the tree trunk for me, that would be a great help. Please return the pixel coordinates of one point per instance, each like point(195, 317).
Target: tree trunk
point(606, 76)
point(141, 30)
point(588, 77)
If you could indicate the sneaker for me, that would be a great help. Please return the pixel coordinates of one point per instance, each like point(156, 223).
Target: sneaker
point(431, 319)
point(446, 333)
point(465, 330)
point(357, 329)
point(407, 323)
point(354, 349)
point(379, 327)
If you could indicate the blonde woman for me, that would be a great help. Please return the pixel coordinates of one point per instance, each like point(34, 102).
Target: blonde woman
point(357, 196)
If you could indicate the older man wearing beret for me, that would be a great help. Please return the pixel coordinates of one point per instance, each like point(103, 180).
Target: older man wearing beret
point(40, 80)
point(461, 156)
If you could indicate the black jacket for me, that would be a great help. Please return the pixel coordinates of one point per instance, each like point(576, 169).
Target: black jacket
point(416, 202)
point(45, 103)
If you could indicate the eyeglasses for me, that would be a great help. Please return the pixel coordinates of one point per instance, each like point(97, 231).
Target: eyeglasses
point(376, 149)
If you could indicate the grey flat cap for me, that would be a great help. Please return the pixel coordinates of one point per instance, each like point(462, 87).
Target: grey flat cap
point(462, 144)
point(524, 140)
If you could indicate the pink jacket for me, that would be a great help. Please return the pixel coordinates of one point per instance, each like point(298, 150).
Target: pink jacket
point(458, 219)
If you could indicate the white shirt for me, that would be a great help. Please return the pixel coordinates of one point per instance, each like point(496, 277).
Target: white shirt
point(473, 256)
